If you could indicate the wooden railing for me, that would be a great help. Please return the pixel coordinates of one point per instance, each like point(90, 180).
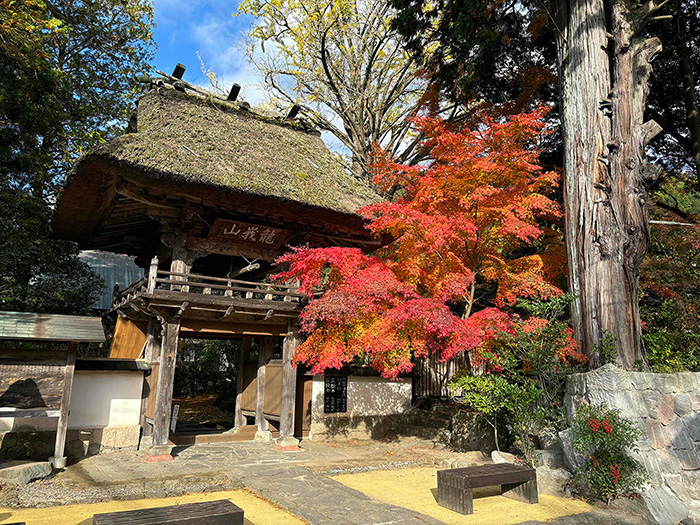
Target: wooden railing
point(222, 286)
point(205, 285)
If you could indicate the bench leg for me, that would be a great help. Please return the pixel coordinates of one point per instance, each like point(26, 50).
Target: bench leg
point(453, 493)
point(525, 492)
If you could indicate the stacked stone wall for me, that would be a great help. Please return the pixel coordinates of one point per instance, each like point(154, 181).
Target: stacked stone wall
point(666, 407)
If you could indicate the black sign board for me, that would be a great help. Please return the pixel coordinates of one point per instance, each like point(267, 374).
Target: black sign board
point(335, 394)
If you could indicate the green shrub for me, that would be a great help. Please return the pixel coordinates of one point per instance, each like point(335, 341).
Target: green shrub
point(502, 402)
point(602, 436)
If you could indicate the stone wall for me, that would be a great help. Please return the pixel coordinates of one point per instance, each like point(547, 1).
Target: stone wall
point(666, 407)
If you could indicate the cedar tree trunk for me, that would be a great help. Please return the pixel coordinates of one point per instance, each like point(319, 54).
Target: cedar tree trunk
point(603, 61)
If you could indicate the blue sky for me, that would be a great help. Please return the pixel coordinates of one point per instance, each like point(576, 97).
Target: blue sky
point(185, 27)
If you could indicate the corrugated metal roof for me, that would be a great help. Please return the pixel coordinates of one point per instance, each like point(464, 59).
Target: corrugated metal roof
point(50, 327)
point(114, 268)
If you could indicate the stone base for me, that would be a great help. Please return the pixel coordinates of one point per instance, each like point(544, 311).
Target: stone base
point(292, 448)
point(288, 441)
point(264, 436)
point(58, 463)
point(157, 453)
point(160, 458)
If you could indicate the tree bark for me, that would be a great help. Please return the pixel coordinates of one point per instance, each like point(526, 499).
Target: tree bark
point(603, 71)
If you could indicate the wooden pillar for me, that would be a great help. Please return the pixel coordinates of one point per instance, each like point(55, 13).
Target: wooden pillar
point(150, 353)
point(244, 352)
point(289, 386)
point(166, 376)
point(263, 432)
point(59, 460)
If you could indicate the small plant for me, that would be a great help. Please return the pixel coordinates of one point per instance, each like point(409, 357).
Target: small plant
point(606, 349)
point(501, 401)
point(602, 436)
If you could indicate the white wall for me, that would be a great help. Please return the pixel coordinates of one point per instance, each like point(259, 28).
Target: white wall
point(367, 396)
point(106, 398)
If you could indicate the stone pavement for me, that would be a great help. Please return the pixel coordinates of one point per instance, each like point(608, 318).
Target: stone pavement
point(298, 482)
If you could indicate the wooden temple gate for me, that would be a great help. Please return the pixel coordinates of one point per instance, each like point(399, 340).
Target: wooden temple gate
point(174, 304)
point(203, 191)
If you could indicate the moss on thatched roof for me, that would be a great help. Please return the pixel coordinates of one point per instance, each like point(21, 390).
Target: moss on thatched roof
point(187, 138)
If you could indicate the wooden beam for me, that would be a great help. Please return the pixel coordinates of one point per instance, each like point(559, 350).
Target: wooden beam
point(244, 352)
point(264, 356)
point(289, 384)
point(213, 328)
point(233, 249)
point(59, 460)
point(166, 376)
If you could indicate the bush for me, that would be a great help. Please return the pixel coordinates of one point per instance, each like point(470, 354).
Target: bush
point(602, 436)
point(501, 402)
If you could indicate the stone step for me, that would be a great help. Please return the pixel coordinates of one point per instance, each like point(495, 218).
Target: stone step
point(22, 472)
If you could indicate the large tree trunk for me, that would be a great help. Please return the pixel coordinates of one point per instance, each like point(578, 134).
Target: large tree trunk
point(603, 72)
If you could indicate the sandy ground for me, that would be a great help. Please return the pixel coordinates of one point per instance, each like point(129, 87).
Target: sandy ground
point(257, 510)
point(407, 488)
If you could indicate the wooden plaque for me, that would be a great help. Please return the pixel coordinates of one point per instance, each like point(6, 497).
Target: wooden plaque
point(253, 234)
point(335, 394)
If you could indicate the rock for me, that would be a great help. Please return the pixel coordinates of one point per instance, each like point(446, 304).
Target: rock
point(689, 459)
point(695, 402)
point(657, 434)
point(548, 438)
point(675, 483)
point(682, 405)
point(651, 400)
point(572, 460)
point(668, 462)
point(691, 480)
point(664, 506)
point(552, 458)
point(680, 438)
point(22, 472)
point(502, 457)
point(666, 409)
point(666, 383)
point(651, 464)
point(692, 424)
point(553, 481)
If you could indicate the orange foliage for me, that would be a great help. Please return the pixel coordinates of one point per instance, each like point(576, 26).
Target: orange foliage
point(457, 225)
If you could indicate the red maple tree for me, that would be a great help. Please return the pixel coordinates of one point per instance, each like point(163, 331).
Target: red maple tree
point(442, 285)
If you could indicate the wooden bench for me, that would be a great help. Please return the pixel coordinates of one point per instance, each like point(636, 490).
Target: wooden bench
point(220, 512)
point(455, 485)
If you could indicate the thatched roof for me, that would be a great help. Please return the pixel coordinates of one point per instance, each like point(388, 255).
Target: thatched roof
point(215, 151)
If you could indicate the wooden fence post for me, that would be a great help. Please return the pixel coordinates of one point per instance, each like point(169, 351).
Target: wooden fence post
point(59, 460)
point(289, 386)
point(152, 274)
point(244, 352)
point(263, 432)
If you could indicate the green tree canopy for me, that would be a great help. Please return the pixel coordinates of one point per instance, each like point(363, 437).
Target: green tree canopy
point(65, 85)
